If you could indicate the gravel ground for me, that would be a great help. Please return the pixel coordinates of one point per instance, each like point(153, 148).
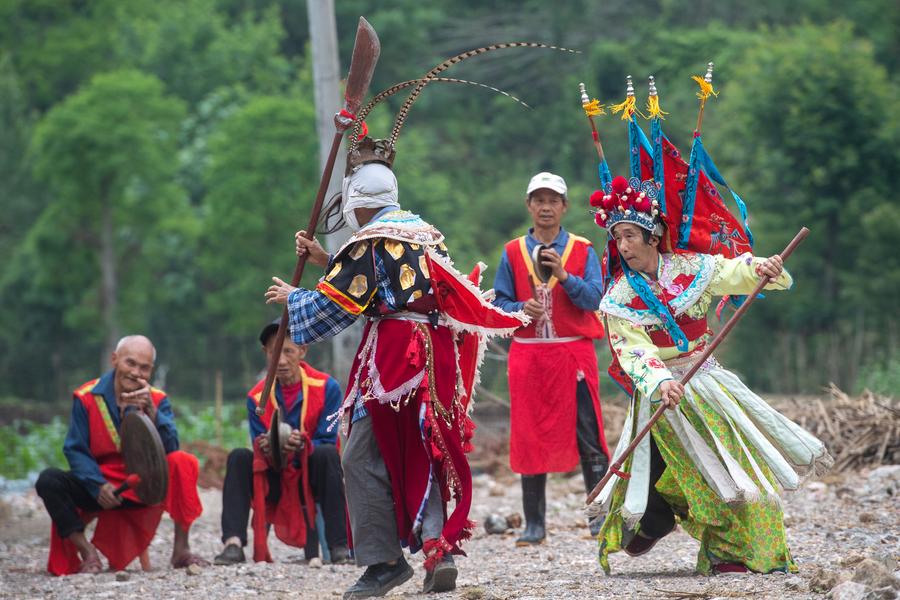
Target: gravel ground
point(833, 525)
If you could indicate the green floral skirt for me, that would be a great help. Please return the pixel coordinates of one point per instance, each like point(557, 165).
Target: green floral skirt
point(728, 503)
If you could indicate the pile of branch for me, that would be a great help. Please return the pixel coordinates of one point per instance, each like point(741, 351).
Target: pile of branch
point(859, 432)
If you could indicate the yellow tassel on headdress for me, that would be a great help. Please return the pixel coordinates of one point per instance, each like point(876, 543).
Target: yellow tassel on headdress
point(627, 108)
point(653, 109)
point(593, 108)
point(706, 89)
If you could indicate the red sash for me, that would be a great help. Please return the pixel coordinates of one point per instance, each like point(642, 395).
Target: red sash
point(568, 319)
point(287, 515)
point(693, 329)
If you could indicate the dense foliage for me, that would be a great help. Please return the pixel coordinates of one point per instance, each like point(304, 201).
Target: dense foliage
point(156, 157)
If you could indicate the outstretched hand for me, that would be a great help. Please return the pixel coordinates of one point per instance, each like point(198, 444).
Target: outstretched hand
point(278, 292)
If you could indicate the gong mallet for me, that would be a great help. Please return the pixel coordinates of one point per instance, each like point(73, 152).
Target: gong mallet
point(366, 49)
point(132, 481)
point(614, 468)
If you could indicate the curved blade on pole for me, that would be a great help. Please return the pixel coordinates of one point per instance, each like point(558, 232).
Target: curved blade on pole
point(614, 468)
point(366, 50)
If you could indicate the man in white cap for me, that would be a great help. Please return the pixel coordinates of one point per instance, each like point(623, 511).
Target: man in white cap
point(555, 419)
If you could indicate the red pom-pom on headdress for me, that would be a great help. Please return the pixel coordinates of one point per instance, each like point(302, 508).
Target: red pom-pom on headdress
point(619, 185)
point(596, 199)
point(642, 204)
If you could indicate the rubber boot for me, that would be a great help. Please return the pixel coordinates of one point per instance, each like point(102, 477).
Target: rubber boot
point(535, 508)
point(593, 469)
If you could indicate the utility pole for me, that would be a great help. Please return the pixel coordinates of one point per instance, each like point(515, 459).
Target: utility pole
point(326, 83)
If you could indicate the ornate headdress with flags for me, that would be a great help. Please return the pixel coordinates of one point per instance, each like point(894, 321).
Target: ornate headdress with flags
point(685, 208)
point(628, 201)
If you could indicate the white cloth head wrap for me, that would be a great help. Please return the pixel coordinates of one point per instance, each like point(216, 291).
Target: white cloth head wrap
point(373, 185)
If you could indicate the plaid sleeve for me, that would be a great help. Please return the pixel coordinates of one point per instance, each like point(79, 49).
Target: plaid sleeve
point(313, 317)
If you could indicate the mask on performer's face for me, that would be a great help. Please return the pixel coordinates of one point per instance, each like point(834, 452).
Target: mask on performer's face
point(372, 185)
point(348, 213)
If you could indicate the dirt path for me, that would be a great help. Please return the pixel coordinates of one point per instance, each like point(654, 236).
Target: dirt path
point(832, 525)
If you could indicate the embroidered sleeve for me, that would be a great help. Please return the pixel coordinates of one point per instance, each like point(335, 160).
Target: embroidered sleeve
point(638, 356)
point(350, 281)
point(739, 276)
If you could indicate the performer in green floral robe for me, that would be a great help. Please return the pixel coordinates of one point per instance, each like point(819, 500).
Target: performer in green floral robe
point(716, 462)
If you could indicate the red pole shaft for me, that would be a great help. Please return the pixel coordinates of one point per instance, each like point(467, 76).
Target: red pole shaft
point(298, 270)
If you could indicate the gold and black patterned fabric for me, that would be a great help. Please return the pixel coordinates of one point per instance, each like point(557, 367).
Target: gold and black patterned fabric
point(378, 276)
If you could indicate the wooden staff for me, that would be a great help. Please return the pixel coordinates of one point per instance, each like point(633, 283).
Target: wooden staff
point(366, 49)
point(614, 468)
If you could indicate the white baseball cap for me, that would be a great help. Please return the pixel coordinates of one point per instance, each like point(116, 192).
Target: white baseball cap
point(549, 181)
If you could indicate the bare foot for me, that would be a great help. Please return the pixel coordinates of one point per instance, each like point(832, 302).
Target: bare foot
point(91, 564)
point(186, 559)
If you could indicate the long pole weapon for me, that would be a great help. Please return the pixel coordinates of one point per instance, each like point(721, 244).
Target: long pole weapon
point(614, 468)
point(366, 49)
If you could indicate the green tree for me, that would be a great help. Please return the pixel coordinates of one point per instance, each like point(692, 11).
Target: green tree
point(108, 155)
point(810, 143)
point(262, 181)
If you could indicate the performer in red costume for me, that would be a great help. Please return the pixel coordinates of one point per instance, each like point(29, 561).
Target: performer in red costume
point(125, 527)
point(555, 416)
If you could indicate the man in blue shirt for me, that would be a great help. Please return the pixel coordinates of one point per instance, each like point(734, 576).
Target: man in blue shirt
point(300, 392)
point(92, 447)
point(555, 420)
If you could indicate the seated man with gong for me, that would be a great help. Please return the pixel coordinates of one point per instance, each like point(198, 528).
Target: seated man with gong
point(126, 469)
point(293, 466)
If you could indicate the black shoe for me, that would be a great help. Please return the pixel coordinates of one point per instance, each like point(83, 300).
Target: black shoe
point(535, 508)
point(379, 579)
point(642, 544)
point(340, 555)
point(231, 555)
point(442, 578)
point(593, 469)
